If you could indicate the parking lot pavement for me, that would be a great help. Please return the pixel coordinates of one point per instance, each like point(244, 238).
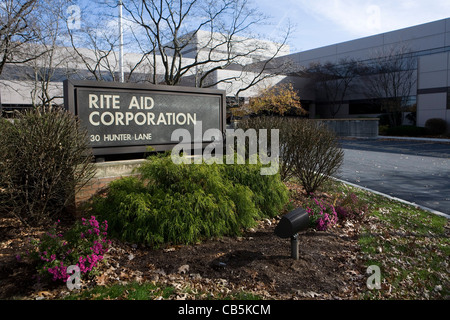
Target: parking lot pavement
point(415, 171)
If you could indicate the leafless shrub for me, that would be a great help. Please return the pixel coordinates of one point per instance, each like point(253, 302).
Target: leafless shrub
point(309, 151)
point(44, 159)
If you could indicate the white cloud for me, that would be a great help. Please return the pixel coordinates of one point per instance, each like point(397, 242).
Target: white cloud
point(362, 18)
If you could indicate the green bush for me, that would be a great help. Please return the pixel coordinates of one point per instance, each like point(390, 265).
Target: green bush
point(185, 203)
point(269, 192)
point(383, 130)
point(436, 126)
point(44, 158)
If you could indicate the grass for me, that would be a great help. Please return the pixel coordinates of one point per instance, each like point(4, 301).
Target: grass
point(410, 245)
point(150, 291)
point(131, 291)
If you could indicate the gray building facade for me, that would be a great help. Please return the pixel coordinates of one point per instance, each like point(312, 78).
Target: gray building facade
point(428, 47)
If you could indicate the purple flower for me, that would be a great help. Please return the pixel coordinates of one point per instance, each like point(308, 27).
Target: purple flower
point(86, 251)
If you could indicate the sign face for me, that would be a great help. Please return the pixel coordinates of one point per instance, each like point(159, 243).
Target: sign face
point(127, 118)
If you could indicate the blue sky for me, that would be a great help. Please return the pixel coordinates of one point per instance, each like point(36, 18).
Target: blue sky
point(323, 22)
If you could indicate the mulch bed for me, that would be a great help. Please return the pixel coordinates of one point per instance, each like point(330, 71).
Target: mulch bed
point(258, 262)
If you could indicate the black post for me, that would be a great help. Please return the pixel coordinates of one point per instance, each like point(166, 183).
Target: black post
point(294, 246)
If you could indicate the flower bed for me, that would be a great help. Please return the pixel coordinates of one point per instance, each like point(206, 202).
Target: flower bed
point(83, 246)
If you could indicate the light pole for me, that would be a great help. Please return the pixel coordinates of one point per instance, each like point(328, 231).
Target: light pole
point(121, 78)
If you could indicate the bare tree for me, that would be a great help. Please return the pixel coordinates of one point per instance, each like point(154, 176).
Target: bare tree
point(46, 72)
point(41, 76)
point(333, 80)
point(251, 75)
point(389, 79)
point(94, 46)
point(192, 39)
point(16, 28)
point(40, 62)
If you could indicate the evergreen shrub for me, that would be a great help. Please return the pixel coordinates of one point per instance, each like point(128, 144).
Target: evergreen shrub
point(186, 203)
point(436, 126)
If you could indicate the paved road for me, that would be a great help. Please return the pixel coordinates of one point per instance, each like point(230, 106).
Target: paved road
point(414, 171)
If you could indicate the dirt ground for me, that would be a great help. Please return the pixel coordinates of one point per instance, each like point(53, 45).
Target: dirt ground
point(258, 262)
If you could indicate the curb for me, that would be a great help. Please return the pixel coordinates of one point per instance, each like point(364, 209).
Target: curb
point(415, 139)
point(395, 199)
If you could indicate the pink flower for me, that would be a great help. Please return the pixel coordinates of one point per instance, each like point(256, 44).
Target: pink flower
point(88, 251)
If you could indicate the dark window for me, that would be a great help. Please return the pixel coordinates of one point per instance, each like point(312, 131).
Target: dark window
point(368, 106)
point(448, 98)
point(374, 106)
point(7, 110)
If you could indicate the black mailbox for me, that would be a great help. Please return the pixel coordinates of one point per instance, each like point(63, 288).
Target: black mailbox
point(292, 222)
point(289, 226)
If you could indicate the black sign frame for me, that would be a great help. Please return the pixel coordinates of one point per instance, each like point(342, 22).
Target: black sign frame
point(73, 87)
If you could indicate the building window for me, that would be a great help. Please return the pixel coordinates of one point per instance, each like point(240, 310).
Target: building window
point(448, 98)
point(411, 104)
point(367, 106)
point(375, 106)
point(7, 110)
